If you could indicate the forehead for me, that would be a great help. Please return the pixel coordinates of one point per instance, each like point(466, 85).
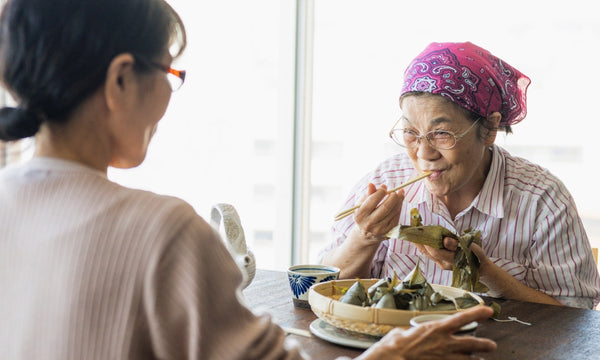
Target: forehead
point(431, 109)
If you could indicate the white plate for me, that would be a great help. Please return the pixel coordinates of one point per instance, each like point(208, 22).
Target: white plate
point(330, 333)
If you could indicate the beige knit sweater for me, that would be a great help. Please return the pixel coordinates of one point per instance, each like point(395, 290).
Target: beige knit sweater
point(93, 270)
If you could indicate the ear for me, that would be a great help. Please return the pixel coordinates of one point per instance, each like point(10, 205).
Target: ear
point(119, 81)
point(491, 126)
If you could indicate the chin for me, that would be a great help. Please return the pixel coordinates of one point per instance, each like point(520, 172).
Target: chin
point(127, 163)
point(436, 190)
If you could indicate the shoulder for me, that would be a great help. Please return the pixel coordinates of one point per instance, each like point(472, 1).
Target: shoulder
point(524, 174)
point(164, 210)
point(163, 203)
point(529, 180)
point(142, 213)
point(171, 228)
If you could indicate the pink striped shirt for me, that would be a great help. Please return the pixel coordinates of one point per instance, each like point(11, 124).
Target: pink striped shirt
point(529, 224)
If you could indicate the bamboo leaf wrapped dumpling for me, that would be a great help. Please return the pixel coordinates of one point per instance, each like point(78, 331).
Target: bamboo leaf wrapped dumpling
point(382, 287)
point(413, 293)
point(465, 270)
point(430, 235)
point(356, 295)
point(415, 279)
point(377, 290)
point(387, 301)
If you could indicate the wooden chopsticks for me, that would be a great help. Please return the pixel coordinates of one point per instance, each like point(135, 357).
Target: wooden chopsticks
point(347, 212)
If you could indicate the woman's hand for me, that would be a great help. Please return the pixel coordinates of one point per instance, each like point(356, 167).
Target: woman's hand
point(379, 212)
point(484, 261)
point(444, 258)
point(434, 340)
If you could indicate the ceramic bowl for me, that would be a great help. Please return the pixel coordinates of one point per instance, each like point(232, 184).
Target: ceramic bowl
point(302, 277)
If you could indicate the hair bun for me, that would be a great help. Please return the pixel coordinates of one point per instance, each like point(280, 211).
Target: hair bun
point(18, 123)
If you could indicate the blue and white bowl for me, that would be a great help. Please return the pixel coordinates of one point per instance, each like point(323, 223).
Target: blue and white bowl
point(302, 277)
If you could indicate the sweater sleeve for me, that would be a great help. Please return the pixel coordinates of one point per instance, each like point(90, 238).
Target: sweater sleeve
point(191, 301)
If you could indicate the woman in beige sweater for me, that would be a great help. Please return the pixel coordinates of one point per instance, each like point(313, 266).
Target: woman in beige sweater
point(93, 270)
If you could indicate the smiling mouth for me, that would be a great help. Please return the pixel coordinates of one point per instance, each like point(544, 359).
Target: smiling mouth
point(435, 174)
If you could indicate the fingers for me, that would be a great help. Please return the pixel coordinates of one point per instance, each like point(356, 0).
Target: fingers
point(374, 197)
point(456, 321)
point(432, 341)
point(371, 188)
point(442, 257)
point(422, 249)
point(380, 211)
point(390, 208)
point(457, 356)
point(450, 244)
point(393, 214)
point(484, 261)
point(465, 344)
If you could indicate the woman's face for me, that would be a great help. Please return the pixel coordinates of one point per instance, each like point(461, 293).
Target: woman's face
point(458, 173)
point(138, 127)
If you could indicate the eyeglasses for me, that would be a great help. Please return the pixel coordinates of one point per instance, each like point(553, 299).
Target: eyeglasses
point(176, 78)
point(437, 139)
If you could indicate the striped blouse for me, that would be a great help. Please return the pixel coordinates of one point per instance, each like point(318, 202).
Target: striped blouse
point(529, 224)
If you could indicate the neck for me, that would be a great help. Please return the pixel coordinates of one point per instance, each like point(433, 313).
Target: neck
point(80, 139)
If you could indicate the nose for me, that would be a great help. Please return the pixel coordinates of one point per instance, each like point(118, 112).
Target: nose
point(425, 150)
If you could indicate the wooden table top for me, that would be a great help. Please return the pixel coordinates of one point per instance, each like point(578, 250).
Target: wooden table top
point(556, 332)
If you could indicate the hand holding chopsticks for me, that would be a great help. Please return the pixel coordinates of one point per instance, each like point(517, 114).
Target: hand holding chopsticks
point(347, 212)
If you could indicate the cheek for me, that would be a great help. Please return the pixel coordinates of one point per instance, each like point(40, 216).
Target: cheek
point(157, 106)
point(412, 154)
point(464, 164)
point(165, 103)
point(455, 158)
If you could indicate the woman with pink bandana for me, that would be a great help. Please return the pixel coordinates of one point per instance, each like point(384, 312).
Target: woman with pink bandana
point(454, 99)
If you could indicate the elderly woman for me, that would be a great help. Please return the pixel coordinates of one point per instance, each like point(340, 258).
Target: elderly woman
point(454, 100)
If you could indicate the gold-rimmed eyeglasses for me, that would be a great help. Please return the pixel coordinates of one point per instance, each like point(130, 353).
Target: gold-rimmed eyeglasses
point(175, 77)
point(437, 139)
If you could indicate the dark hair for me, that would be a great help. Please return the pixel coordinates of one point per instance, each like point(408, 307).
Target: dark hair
point(55, 53)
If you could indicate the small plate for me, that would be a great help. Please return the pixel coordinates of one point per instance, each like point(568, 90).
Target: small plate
point(421, 319)
point(330, 333)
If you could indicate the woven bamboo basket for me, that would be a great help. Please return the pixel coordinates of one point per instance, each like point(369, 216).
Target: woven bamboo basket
point(323, 300)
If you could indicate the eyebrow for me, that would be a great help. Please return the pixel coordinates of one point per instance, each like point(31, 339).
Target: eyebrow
point(440, 120)
point(435, 121)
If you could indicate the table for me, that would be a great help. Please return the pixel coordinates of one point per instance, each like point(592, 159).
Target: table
point(556, 332)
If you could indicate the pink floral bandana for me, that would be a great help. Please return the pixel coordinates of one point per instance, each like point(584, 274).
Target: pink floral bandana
point(471, 77)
